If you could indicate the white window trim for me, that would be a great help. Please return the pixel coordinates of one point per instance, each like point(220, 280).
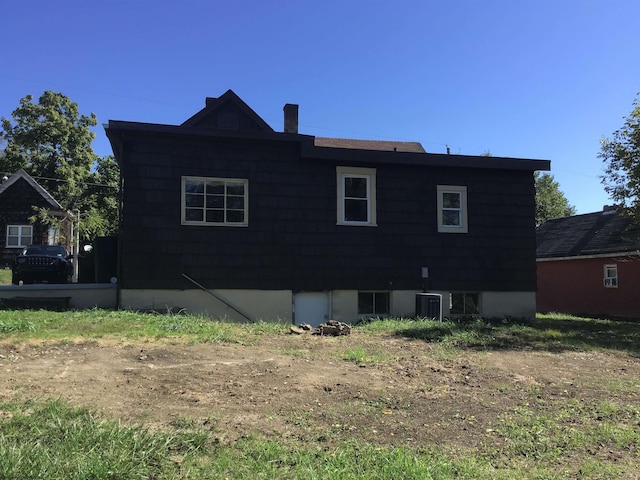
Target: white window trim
point(204, 223)
point(610, 281)
point(358, 172)
point(464, 226)
point(21, 237)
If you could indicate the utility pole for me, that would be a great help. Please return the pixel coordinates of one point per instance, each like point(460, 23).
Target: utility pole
point(75, 248)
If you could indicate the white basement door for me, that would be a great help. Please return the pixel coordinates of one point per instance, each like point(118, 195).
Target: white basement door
point(311, 308)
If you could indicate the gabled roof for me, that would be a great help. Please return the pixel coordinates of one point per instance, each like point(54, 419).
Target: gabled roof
point(229, 117)
point(381, 145)
point(21, 174)
point(599, 233)
point(228, 112)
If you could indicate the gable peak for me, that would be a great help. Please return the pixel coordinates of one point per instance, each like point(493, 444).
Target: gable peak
point(228, 112)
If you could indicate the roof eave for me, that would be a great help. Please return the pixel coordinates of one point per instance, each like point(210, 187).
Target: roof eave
point(117, 131)
point(617, 254)
point(424, 159)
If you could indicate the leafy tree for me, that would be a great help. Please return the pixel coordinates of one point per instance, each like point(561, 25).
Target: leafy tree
point(2, 153)
point(51, 141)
point(621, 155)
point(100, 214)
point(550, 201)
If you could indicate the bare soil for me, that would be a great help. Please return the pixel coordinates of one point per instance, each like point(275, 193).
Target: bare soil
point(299, 387)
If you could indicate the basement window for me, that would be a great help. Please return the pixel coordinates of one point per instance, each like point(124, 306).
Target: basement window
point(465, 303)
point(610, 276)
point(373, 303)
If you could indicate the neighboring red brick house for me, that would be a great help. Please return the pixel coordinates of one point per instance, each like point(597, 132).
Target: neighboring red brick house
point(589, 265)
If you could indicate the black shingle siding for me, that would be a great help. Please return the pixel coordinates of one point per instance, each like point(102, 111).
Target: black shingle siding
point(292, 240)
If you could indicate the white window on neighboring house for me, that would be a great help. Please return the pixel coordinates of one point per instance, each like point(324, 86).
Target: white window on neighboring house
point(356, 196)
point(53, 236)
point(215, 201)
point(611, 276)
point(19, 236)
point(452, 209)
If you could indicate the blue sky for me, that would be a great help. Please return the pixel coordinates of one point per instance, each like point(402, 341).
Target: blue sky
point(528, 79)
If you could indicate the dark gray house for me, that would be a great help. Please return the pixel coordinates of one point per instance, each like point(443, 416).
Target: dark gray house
point(19, 194)
point(225, 216)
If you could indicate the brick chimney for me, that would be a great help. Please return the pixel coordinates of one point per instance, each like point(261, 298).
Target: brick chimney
point(290, 118)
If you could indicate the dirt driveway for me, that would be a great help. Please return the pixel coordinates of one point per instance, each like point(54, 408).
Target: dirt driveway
point(302, 387)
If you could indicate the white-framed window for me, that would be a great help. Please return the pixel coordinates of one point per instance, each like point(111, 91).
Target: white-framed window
point(452, 209)
point(610, 276)
point(374, 303)
point(53, 236)
point(215, 201)
point(356, 196)
point(19, 236)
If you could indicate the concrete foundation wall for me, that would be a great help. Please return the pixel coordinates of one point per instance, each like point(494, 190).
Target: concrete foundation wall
point(344, 305)
point(255, 305)
point(276, 305)
point(81, 296)
point(509, 304)
point(231, 305)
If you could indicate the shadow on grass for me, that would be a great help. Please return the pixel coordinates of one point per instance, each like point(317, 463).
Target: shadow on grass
point(552, 333)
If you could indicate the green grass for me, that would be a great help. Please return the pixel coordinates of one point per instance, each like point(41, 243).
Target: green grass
point(545, 436)
point(552, 333)
point(5, 276)
point(55, 441)
point(363, 356)
point(94, 324)
point(50, 439)
point(573, 427)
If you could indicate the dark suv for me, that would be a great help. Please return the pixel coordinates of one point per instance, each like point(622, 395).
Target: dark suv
point(42, 263)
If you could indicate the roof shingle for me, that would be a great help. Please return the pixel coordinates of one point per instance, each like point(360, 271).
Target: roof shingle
point(380, 145)
point(587, 234)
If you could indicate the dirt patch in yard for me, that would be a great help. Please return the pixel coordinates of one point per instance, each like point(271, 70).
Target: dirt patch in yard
point(301, 387)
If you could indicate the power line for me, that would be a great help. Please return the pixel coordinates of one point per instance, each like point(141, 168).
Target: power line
point(8, 174)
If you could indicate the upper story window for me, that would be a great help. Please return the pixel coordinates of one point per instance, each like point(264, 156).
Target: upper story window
point(215, 201)
point(452, 209)
point(19, 236)
point(611, 276)
point(356, 196)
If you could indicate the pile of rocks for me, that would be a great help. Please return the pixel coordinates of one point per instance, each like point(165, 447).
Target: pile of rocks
point(330, 327)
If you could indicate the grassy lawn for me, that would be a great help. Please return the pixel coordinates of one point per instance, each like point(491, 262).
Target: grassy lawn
point(5, 276)
point(47, 438)
point(553, 332)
